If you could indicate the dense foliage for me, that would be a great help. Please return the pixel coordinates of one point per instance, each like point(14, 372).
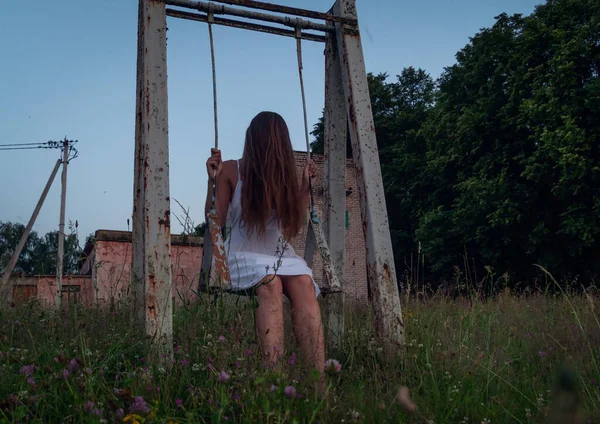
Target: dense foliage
point(497, 163)
point(38, 256)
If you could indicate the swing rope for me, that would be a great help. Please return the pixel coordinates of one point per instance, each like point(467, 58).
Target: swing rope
point(313, 214)
point(219, 256)
point(214, 80)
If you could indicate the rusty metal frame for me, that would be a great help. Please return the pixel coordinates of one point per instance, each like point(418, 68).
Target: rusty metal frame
point(244, 25)
point(152, 291)
point(380, 258)
point(335, 126)
point(226, 10)
point(346, 80)
point(289, 10)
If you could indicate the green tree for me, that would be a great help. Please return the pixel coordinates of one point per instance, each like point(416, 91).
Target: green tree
point(39, 254)
point(512, 147)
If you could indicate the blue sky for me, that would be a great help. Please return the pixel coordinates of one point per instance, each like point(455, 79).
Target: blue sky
point(69, 70)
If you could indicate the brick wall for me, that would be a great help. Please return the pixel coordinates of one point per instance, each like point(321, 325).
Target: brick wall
point(76, 288)
point(110, 264)
point(355, 280)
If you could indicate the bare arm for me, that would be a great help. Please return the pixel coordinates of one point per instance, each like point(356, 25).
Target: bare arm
point(223, 195)
point(309, 169)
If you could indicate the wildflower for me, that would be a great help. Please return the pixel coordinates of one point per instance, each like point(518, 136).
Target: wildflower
point(273, 388)
point(195, 367)
point(31, 381)
point(27, 370)
point(120, 414)
point(290, 391)
point(222, 339)
point(184, 362)
point(248, 353)
point(139, 406)
point(179, 403)
point(66, 373)
point(333, 366)
point(73, 365)
point(223, 377)
point(292, 360)
point(88, 406)
point(88, 371)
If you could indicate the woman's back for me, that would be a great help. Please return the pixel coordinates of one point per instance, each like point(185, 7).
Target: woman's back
point(239, 239)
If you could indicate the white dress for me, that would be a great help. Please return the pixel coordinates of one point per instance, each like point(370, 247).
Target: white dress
point(250, 259)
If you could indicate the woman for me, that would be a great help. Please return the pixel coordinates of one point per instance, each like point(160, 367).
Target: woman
point(263, 206)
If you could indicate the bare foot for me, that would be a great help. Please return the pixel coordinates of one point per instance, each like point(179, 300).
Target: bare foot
point(403, 398)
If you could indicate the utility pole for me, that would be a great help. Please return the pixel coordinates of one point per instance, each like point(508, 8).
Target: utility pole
point(61, 227)
point(5, 287)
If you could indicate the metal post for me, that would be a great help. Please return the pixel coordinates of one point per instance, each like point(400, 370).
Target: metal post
point(61, 227)
point(335, 121)
point(138, 307)
point(152, 215)
point(5, 287)
point(380, 258)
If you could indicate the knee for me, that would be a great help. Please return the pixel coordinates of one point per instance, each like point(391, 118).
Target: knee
point(300, 289)
point(270, 288)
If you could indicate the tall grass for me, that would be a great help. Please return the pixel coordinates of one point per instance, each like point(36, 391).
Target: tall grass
point(467, 361)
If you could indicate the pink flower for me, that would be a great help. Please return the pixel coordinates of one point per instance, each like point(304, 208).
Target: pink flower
point(88, 406)
point(27, 370)
point(66, 373)
point(292, 360)
point(222, 339)
point(31, 381)
point(333, 366)
point(290, 391)
point(179, 403)
point(273, 388)
point(139, 406)
point(223, 377)
point(73, 365)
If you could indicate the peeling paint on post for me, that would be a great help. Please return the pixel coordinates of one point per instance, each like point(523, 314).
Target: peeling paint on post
point(380, 258)
point(335, 121)
point(151, 217)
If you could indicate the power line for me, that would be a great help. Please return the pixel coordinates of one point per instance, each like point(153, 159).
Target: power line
point(21, 144)
point(49, 144)
point(73, 153)
point(26, 148)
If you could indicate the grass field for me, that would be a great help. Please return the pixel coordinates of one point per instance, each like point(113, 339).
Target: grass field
point(467, 361)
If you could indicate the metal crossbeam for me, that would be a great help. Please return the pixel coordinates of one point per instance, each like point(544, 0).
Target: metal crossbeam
point(225, 10)
point(244, 25)
point(290, 11)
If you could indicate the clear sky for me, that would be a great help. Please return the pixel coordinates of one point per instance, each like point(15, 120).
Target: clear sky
point(68, 69)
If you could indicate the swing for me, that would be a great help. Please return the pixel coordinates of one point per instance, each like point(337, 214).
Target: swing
point(219, 277)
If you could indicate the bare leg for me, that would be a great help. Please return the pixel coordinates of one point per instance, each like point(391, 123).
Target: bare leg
point(269, 318)
point(306, 317)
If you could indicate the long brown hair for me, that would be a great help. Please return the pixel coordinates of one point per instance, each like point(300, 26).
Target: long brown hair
point(270, 181)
